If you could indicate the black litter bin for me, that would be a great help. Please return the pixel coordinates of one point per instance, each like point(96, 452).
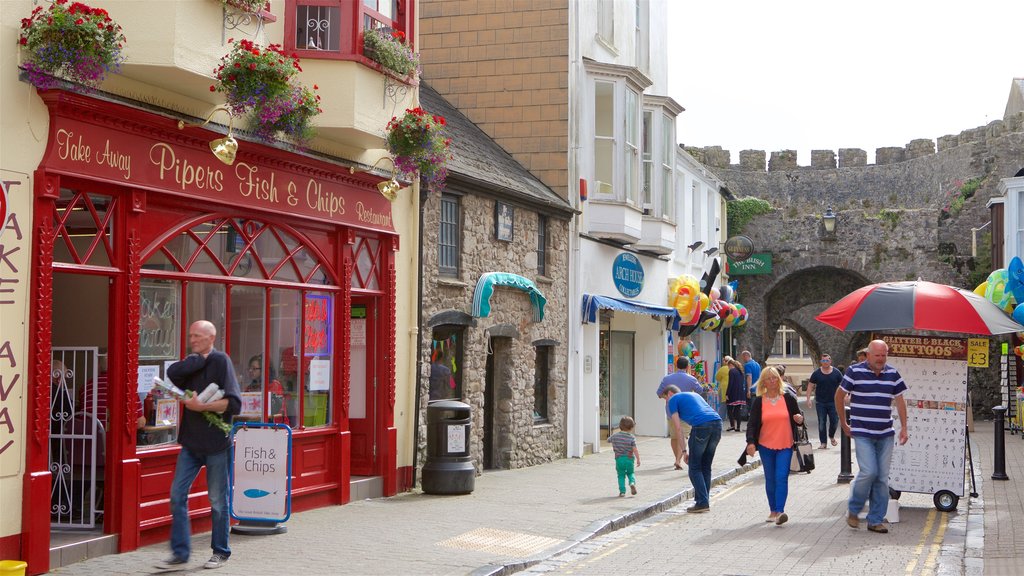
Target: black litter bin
point(448, 468)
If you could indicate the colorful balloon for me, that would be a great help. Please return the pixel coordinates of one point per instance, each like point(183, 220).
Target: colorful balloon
point(997, 292)
point(980, 290)
point(1015, 278)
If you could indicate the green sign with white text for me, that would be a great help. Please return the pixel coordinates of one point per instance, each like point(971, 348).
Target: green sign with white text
point(760, 263)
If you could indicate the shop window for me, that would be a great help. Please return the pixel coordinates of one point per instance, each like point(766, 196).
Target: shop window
point(542, 244)
point(279, 337)
point(84, 227)
point(366, 275)
point(446, 363)
point(541, 380)
point(448, 239)
point(240, 248)
point(332, 29)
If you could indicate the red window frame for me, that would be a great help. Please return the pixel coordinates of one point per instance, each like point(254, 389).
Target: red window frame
point(352, 15)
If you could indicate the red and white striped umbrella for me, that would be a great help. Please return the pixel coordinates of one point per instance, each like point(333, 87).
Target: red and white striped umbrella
point(917, 305)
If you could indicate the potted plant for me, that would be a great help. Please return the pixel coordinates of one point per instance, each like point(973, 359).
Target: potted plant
point(390, 49)
point(259, 81)
point(72, 42)
point(417, 140)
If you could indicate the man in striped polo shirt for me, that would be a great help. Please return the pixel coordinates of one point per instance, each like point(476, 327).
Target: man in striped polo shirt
point(873, 387)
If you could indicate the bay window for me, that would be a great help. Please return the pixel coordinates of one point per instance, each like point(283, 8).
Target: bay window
point(333, 29)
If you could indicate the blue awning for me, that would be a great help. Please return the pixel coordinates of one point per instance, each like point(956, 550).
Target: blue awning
point(591, 303)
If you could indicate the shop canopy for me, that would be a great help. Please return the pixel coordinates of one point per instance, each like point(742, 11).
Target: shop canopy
point(591, 303)
point(485, 287)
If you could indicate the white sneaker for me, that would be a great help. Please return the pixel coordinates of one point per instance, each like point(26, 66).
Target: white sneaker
point(215, 561)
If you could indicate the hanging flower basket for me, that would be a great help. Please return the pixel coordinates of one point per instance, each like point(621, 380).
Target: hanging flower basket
point(390, 49)
point(259, 82)
point(418, 141)
point(247, 6)
point(70, 42)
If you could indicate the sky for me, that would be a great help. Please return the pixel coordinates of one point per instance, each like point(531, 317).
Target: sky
point(823, 75)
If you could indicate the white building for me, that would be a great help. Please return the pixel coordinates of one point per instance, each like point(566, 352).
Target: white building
point(642, 202)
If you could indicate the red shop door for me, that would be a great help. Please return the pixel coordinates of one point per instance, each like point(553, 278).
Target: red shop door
point(363, 386)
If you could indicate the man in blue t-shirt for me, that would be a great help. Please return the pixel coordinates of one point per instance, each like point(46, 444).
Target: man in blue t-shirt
point(705, 434)
point(873, 387)
point(683, 380)
point(823, 385)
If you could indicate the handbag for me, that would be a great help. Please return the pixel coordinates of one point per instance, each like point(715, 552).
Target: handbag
point(803, 452)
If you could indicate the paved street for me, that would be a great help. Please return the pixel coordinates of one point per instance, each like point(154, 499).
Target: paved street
point(566, 517)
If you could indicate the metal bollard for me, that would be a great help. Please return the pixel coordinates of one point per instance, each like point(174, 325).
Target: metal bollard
point(999, 456)
point(845, 464)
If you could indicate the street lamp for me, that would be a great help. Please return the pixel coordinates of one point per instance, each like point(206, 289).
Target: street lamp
point(828, 219)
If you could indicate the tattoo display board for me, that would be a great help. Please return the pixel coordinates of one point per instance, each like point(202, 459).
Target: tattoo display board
point(935, 371)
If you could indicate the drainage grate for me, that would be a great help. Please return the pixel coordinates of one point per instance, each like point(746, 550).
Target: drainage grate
point(500, 542)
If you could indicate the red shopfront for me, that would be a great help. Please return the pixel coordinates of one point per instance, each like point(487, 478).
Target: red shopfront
point(137, 232)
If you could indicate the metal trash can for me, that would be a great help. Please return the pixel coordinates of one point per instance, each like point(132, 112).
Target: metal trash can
point(448, 468)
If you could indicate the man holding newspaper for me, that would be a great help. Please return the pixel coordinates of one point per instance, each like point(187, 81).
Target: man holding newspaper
point(207, 378)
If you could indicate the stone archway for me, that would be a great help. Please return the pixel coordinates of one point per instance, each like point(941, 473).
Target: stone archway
point(794, 294)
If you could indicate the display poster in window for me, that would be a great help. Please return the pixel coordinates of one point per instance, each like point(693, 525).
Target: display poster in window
point(935, 372)
point(504, 221)
point(145, 381)
point(319, 375)
point(158, 321)
point(252, 405)
point(317, 325)
point(261, 472)
point(166, 412)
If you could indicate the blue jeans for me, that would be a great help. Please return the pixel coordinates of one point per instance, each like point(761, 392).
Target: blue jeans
point(826, 411)
point(703, 443)
point(185, 472)
point(776, 476)
point(872, 481)
point(624, 469)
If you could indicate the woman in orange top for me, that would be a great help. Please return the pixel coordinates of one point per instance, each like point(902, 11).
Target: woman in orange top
point(774, 417)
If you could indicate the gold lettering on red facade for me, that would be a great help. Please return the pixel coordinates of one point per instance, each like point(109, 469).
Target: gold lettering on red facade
point(183, 172)
point(251, 184)
point(116, 160)
point(326, 202)
point(68, 148)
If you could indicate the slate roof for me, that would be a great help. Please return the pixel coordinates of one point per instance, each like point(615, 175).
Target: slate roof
point(478, 160)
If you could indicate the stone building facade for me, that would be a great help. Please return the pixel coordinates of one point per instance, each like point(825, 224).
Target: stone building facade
point(501, 361)
point(897, 219)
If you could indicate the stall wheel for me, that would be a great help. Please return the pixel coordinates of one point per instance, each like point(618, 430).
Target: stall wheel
point(945, 501)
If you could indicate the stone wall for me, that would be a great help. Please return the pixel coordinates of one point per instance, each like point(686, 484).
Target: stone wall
point(508, 331)
point(894, 222)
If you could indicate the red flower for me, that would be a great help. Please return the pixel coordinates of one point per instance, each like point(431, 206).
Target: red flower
point(252, 66)
point(79, 22)
point(23, 41)
point(213, 88)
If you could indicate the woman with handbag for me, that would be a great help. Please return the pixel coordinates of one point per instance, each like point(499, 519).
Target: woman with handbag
point(771, 429)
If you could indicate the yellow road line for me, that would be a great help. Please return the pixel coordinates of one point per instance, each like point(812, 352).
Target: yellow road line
point(930, 561)
point(919, 549)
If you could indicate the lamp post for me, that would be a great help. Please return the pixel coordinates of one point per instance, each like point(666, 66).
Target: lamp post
point(828, 220)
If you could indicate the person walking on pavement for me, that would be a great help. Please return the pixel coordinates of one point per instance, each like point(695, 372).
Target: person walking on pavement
point(736, 394)
point(705, 434)
point(202, 444)
point(770, 431)
point(681, 379)
point(822, 385)
point(624, 445)
point(752, 372)
point(873, 387)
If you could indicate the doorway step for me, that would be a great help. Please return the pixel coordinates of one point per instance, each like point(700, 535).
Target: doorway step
point(365, 487)
point(70, 546)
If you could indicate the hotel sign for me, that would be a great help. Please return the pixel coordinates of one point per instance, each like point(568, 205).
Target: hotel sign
point(760, 263)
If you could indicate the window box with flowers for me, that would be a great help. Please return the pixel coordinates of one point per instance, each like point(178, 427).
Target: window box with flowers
point(418, 141)
point(389, 49)
point(70, 42)
point(259, 82)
